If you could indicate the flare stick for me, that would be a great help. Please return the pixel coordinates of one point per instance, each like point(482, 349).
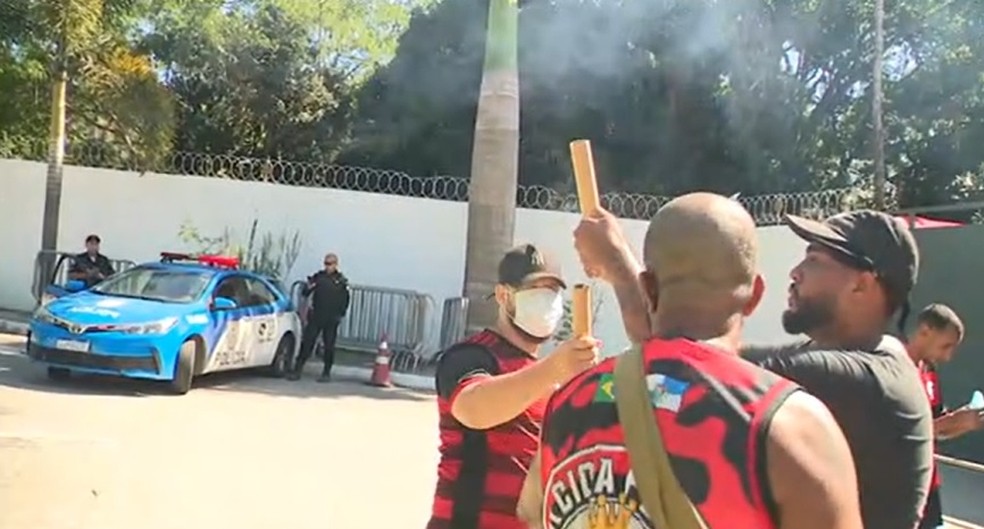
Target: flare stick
point(581, 310)
point(584, 176)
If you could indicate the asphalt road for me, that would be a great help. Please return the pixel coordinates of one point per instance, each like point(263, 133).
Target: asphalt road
point(239, 452)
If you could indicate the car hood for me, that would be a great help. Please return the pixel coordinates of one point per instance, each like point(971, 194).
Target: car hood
point(94, 309)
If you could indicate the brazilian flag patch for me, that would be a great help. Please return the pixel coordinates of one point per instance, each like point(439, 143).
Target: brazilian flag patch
point(606, 388)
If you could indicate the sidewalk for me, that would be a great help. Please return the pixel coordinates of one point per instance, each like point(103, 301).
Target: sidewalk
point(348, 364)
point(14, 322)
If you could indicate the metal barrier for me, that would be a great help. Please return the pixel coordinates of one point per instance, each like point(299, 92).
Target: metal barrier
point(51, 268)
point(453, 322)
point(960, 463)
point(402, 315)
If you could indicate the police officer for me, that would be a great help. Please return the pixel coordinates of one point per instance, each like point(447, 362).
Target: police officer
point(330, 298)
point(90, 266)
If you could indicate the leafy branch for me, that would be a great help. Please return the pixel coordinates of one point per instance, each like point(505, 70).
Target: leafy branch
point(262, 253)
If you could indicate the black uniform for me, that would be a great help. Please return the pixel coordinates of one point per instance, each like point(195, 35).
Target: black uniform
point(83, 263)
point(329, 302)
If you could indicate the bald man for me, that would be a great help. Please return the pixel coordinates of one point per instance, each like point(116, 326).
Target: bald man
point(749, 448)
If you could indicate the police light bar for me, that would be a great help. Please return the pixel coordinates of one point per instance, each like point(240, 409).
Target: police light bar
point(170, 257)
point(218, 261)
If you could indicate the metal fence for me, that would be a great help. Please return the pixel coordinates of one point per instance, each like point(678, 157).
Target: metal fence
point(402, 317)
point(767, 209)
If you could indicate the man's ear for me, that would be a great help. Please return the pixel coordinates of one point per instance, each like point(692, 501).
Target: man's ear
point(502, 293)
point(758, 290)
point(650, 289)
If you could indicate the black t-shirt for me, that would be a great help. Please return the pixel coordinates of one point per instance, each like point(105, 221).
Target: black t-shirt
point(82, 263)
point(466, 361)
point(879, 401)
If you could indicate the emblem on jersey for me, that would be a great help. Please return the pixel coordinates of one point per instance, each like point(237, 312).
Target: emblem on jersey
point(594, 489)
point(666, 392)
point(606, 388)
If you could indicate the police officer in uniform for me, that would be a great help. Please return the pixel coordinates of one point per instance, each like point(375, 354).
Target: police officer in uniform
point(330, 297)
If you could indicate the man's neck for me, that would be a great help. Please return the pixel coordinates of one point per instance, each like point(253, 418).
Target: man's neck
point(859, 339)
point(701, 330)
point(914, 353)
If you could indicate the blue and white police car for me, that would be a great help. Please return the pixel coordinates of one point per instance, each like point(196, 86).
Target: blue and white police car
point(169, 320)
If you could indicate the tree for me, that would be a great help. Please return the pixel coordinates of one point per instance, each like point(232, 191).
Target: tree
point(492, 191)
point(270, 78)
point(56, 41)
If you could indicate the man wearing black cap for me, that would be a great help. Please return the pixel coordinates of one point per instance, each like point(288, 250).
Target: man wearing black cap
point(492, 389)
point(90, 266)
point(858, 271)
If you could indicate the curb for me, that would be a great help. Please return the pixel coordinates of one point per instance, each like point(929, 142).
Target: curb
point(13, 327)
point(403, 380)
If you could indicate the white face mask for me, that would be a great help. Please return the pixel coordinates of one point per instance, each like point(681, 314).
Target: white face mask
point(538, 311)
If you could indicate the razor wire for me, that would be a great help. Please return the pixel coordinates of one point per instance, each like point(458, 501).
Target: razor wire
point(766, 209)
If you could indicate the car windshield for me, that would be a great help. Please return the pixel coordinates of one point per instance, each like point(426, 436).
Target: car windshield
point(157, 284)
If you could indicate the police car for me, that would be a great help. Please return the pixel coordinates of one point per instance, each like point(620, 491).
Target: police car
point(169, 320)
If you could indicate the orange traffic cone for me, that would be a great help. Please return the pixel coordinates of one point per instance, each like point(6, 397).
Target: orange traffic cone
point(381, 369)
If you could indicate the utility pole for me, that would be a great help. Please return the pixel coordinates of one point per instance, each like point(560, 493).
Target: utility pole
point(876, 105)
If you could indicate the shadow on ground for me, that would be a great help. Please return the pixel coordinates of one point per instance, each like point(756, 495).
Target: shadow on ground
point(16, 371)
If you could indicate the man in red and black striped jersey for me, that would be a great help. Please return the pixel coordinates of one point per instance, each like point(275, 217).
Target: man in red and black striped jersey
point(750, 449)
point(938, 333)
point(491, 391)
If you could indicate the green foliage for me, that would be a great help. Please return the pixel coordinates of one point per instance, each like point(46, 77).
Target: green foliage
point(264, 253)
point(566, 329)
point(749, 95)
point(115, 102)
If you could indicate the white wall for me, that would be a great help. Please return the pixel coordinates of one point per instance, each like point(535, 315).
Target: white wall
point(382, 240)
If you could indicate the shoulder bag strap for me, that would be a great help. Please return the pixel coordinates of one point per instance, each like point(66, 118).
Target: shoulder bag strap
point(659, 490)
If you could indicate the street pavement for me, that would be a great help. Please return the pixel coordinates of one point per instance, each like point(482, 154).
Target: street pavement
point(240, 452)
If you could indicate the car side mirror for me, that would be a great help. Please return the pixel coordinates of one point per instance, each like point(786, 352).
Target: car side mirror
point(75, 285)
point(222, 303)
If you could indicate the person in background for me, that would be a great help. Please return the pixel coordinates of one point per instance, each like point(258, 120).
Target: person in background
point(749, 448)
point(492, 388)
point(90, 266)
point(330, 298)
point(938, 333)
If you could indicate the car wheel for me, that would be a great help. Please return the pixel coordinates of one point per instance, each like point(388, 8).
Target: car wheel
point(59, 373)
point(278, 367)
point(184, 368)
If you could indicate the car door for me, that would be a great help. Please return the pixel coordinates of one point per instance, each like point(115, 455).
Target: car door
point(231, 349)
point(262, 330)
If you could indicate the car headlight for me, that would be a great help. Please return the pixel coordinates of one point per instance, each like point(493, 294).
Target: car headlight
point(43, 315)
point(154, 327)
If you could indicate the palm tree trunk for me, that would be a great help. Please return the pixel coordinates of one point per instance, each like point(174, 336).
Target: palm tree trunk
point(876, 105)
point(495, 163)
point(56, 159)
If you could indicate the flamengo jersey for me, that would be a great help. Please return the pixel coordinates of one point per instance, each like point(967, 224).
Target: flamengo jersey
point(713, 410)
point(931, 382)
point(481, 472)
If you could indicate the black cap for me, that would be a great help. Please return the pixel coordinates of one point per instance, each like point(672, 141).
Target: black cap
point(525, 264)
point(869, 240)
point(93, 238)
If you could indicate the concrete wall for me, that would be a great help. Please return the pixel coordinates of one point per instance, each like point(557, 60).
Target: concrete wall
point(383, 240)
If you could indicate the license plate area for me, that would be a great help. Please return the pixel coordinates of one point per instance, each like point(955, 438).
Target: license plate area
point(78, 346)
